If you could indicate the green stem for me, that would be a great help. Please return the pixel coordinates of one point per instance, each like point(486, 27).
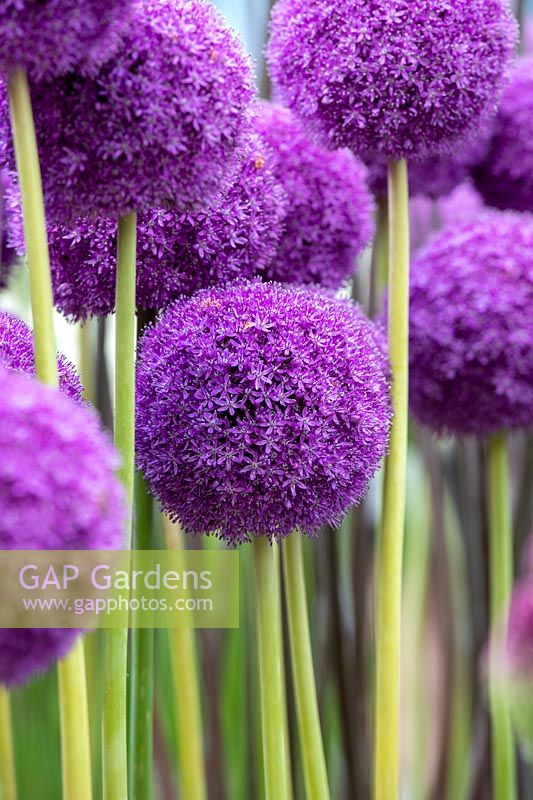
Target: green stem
point(270, 670)
point(114, 743)
point(8, 781)
point(187, 697)
point(390, 551)
point(31, 191)
point(87, 362)
point(501, 577)
point(74, 713)
point(285, 732)
point(316, 779)
point(141, 668)
point(72, 686)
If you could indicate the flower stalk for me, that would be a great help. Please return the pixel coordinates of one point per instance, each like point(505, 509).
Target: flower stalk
point(141, 668)
point(8, 781)
point(270, 649)
point(390, 550)
point(501, 577)
point(76, 761)
point(114, 743)
point(187, 696)
point(316, 779)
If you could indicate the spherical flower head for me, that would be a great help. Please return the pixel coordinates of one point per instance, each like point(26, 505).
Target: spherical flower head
point(471, 362)
point(11, 234)
point(161, 123)
point(405, 78)
point(260, 408)
point(434, 176)
point(17, 354)
point(51, 37)
point(58, 491)
point(518, 662)
point(329, 214)
point(178, 252)
point(504, 178)
point(426, 215)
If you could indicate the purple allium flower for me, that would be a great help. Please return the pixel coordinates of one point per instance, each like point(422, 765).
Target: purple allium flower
point(178, 253)
point(11, 233)
point(405, 78)
point(57, 492)
point(505, 176)
point(471, 361)
point(261, 408)
point(461, 205)
point(16, 353)
point(329, 214)
point(161, 124)
point(520, 636)
point(435, 176)
point(518, 663)
point(51, 37)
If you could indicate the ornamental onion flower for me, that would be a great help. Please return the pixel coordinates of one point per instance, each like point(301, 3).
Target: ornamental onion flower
point(518, 663)
point(51, 37)
point(405, 78)
point(11, 236)
point(16, 353)
point(260, 409)
point(58, 491)
point(471, 362)
point(329, 215)
point(161, 123)
point(178, 252)
point(504, 178)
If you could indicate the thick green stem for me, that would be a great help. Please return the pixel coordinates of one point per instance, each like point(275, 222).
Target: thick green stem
point(72, 686)
point(114, 744)
point(187, 697)
point(31, 191)
point(501, 577)
point(270, 670)
point(74, 713)
point(316, 779)
point(8, 781)
point(141, 668)
point(390, 551)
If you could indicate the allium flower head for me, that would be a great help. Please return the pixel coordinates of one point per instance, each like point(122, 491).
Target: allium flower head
point(51, 37)
point(178, 252)
point(520, 636)
point(471, 361)
point(57, 492)
point(329, 214)
point(505, 176)
point(11, 234)
point(16, 353)
point(161, 123)
point(518, 663)
point(261, 408)
point(404, 78)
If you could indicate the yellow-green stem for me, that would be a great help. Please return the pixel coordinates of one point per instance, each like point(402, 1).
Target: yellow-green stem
point(114, 742)
point(31, 191)
point(286, 736)
point(501, 577)
point(86, 362)
point(390, 551)
point(270, 648)
point(72, 687)
point(187, 697)
point(8, 781)
point(314, 761)
point(74, 713)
